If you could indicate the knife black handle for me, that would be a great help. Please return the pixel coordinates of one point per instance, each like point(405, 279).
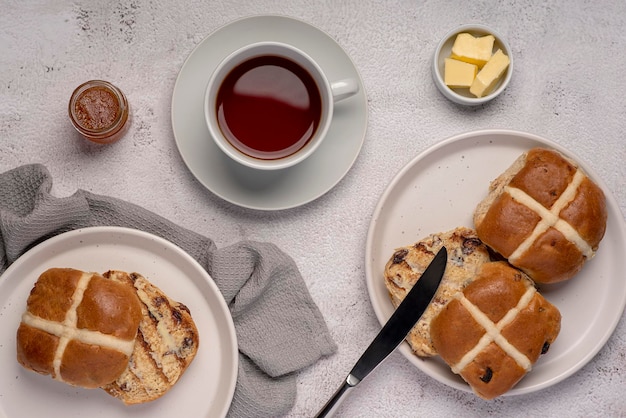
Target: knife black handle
point(333, 404)
point(395, 329)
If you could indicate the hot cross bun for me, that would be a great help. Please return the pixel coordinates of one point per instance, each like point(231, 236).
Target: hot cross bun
point(493, 331)
point(115, 331)
point(78, 327)
point(544, 215)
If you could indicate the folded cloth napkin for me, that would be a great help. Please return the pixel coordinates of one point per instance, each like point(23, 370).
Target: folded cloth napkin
point(279, 328)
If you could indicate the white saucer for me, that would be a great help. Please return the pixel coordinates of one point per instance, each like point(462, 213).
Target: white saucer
point(244, 186)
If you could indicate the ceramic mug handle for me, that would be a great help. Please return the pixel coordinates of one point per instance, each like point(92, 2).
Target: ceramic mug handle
point(343, 89)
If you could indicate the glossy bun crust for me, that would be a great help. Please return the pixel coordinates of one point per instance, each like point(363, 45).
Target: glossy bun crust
point(544, 215)
point(495, 330)
point(78, 327)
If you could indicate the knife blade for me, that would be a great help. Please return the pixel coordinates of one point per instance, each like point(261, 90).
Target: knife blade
point(394, 331)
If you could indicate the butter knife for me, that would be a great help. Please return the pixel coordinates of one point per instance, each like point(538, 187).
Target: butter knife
point(394, 331)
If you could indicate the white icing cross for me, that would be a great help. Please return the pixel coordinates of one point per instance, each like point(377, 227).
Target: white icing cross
point(493, 331)
point(550, 218)
point(67, 329)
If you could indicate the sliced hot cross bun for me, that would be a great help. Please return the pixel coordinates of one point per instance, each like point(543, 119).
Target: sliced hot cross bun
point(78, 327)
point(493, 331)
point(115, 331)
point(167, 342)
point(544, 215)
point(466, 253)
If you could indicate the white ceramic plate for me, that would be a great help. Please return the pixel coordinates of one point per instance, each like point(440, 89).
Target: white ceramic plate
point(256, 189)
point(439, 190)
point(206, 389)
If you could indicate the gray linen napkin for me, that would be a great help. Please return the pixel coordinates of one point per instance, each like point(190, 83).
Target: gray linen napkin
point(279, 328)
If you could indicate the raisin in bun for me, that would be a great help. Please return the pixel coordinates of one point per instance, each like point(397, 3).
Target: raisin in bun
point(78, 327)
point(493, 331)
point(466, 253)
point(544, 215)
point(167, 342)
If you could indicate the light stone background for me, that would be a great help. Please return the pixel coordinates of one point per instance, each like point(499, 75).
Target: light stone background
point(569, 85)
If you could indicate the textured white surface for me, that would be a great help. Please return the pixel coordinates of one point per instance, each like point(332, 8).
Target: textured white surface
point(568, 86)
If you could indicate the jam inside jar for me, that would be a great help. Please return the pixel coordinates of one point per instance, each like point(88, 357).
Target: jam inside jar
point(99, 111)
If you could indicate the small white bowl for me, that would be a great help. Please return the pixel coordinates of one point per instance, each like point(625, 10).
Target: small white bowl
point(443, 50)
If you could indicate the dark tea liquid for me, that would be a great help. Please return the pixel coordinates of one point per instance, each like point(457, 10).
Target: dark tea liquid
point(268, 107)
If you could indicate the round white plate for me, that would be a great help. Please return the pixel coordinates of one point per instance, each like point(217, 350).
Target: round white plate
point(256, 189)
point(439, 190)
point(207, 387)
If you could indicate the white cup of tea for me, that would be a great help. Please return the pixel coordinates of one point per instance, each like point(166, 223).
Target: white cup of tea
point(269, 106)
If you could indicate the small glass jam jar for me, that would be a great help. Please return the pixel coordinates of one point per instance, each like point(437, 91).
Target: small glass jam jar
point(99, 111)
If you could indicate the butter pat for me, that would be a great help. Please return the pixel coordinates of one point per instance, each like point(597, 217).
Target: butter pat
point(487, 78)
point(473, 50)
point(459, 74)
